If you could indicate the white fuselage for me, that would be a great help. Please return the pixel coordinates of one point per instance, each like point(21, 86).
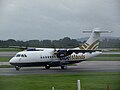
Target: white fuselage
point(47, 56)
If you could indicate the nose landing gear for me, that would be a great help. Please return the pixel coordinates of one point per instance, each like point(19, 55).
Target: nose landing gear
point(17, 68)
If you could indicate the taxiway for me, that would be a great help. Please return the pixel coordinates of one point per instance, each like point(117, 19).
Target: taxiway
point(86, 66)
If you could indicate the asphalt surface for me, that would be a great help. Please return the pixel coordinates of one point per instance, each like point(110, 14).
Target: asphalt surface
point(7, 54)
point(86, 66)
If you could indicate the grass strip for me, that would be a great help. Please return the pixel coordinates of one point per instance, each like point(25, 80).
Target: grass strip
point(4, 59)
point(109, 55)
point(9, 49)
point(89, 81)
point(6, 66)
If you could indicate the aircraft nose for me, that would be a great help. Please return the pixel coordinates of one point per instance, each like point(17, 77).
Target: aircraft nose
point(12, 60)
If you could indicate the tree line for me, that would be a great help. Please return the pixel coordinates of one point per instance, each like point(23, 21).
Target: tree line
point(66, 42)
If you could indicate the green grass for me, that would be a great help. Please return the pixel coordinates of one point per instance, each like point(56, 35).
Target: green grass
point(89, 81)
point(4, 59)
point(109, 55)
point(6, 66)
point(9, 49)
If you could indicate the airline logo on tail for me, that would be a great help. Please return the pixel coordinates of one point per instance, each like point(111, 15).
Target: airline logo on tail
point(87, 46)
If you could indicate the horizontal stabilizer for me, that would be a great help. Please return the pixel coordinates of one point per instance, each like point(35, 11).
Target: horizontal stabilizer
point(97, 30)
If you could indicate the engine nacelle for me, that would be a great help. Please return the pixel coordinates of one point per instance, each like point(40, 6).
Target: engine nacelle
point(61, 53)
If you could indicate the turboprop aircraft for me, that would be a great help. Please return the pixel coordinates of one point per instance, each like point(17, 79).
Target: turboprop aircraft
point(50, 57)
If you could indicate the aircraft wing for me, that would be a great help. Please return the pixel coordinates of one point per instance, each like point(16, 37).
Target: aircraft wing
point(64, 53)
point(82, 51)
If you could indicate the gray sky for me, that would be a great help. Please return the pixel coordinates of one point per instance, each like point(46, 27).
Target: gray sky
point(55, 19)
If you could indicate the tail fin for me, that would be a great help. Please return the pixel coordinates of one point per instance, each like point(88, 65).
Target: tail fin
point(93, 42)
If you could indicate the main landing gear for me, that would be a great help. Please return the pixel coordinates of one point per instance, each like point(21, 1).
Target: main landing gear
point(17, 68)
point(47, 66)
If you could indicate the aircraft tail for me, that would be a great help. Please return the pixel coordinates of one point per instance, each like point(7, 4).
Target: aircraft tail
point(93, 42)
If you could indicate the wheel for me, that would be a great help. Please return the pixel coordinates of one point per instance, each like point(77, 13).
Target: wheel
point(17, 68)
point(47, 67)
point(63, 67)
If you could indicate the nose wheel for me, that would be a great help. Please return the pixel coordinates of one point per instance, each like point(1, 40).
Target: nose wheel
point(17, 68)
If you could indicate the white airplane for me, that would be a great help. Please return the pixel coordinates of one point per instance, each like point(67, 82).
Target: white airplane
point(50, 57)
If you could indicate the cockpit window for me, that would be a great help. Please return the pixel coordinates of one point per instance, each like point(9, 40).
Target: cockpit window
point(18, 55)
point(21, 55)
point(25, 55)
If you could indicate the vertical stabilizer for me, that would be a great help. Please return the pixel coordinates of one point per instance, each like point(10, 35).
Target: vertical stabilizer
point(93, 42)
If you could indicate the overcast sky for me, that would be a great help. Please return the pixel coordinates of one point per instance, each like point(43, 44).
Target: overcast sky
point(55, 19)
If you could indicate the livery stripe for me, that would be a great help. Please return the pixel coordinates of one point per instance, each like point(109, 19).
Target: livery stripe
point(92, 45)
point(95, 45)
point(85, 46)
point(81, 48)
